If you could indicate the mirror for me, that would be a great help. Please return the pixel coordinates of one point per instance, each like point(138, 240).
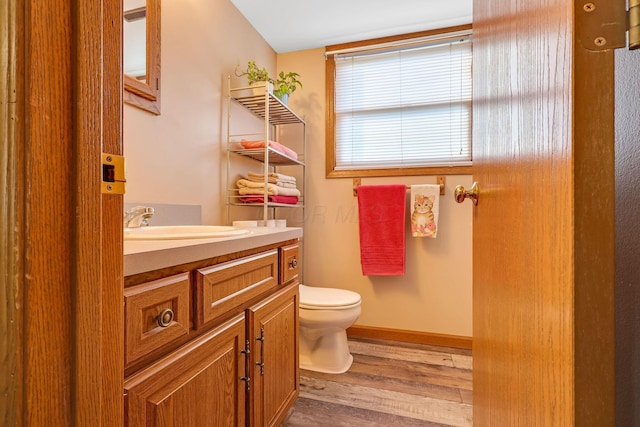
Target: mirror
point(141, 56)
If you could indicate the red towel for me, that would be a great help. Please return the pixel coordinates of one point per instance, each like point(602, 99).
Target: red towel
point(381, 209)
point(290, 200)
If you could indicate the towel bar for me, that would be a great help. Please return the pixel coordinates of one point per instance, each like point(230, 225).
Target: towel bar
point(441, 180)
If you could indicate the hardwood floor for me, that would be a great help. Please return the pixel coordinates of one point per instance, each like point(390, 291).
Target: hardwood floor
point(389, 384)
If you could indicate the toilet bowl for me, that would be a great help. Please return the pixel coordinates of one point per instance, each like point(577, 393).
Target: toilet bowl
point(325, 314)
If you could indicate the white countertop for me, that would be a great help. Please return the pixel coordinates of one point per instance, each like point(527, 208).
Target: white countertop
point(146, 255)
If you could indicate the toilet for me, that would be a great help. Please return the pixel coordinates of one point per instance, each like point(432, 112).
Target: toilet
point(325, 314)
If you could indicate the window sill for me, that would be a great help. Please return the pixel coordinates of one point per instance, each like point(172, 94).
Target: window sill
point(437, 170)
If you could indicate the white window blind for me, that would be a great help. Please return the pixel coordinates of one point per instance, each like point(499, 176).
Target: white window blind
point(404, 106)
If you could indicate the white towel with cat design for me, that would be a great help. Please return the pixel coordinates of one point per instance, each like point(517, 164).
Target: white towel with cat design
point(425, 202)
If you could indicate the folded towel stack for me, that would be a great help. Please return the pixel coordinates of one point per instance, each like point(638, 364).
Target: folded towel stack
point(278, 179)
point(250, 190)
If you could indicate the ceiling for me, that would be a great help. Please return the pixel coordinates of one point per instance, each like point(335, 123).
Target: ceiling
point(291, 25)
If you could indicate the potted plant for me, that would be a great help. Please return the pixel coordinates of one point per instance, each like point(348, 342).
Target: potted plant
point(285, 84)
point(255, 74)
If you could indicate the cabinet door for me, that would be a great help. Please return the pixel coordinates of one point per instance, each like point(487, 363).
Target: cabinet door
point(198, 385)
point(273, 329)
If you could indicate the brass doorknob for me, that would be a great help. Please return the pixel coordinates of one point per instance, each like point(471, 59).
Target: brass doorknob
point(473, 193)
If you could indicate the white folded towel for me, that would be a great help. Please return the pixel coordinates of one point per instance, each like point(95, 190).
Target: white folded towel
point(286, 184)
point(272, 177)
point(250, 187)
point(425, 202)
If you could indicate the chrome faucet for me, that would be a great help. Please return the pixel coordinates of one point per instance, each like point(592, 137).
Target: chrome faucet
point(138, 217)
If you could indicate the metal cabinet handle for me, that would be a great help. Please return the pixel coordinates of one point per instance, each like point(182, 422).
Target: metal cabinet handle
point(165, 317)
point(293, 263)
point(261, 362)
point(473, 193)
point(247, 381)
point(246, 378)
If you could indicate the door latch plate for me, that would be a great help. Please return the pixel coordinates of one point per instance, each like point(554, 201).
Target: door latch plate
point(113, 174)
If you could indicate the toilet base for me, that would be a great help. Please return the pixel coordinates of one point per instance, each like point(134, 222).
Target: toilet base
point(329, 354)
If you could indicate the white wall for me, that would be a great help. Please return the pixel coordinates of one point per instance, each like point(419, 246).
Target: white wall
point(627, 244)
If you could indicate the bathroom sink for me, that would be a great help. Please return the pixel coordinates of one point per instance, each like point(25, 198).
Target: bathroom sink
point(174, 232)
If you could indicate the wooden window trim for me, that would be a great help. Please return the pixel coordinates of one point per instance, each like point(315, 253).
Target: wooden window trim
point(330, 144)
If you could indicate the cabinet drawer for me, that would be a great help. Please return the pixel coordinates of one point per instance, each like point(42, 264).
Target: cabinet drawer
point(155, 314)
point(224, 287)
point(289, 263)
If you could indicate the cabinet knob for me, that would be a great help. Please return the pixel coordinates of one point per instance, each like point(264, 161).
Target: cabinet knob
point(293, 263)
point(165, 318)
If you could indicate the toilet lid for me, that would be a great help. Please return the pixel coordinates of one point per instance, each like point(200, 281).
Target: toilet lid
point(314, 297)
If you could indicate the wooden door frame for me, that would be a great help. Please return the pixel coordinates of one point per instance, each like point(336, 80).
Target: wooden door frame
point(61, 106)
point(594, 238)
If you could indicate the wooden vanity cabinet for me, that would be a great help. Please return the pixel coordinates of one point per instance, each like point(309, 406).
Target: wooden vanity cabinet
point(238, 363)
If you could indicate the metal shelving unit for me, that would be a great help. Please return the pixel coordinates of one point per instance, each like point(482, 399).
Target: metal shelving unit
point(258, 101)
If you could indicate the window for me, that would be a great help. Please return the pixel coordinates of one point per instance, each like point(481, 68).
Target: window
point(400, 107)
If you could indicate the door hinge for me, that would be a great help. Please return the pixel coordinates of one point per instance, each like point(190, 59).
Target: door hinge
point(603, 24)
point(113, 174)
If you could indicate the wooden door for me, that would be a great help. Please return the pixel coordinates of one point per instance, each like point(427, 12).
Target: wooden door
point(543, 228)
point(198, 385)
point(274, 333)
point(60, 102)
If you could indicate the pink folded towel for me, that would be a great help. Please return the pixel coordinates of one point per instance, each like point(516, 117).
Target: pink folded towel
point(275, 145)
point(289, 200)
point(381, 209)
